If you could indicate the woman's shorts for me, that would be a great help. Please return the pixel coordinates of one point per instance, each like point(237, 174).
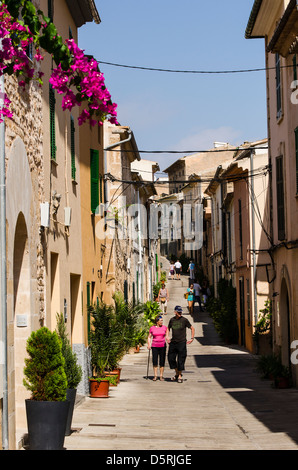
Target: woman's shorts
point(159, 353)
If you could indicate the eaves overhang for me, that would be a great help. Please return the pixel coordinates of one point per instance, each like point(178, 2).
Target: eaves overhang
point(252, 19)
point(285, 38)
point(83, 11)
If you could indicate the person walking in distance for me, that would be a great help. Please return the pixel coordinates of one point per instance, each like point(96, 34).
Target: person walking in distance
point(178, 267)
point(178, 343)
point(191, 269)
point(190, 298)
point(172, 270)
point(163, 298)
point(197, 290)
point(157, 333)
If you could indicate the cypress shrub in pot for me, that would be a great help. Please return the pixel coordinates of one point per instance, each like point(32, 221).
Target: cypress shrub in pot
point(72, 369)
point(45, 377)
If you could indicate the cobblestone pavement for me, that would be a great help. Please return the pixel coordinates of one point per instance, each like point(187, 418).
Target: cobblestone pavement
point(222, 404)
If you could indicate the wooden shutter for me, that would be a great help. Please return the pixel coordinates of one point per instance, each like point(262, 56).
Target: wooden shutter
point(94, 173)
point(240, 227)
point(72, 148)
point(280, 198)
point(296, 152)
point(278, 86)
point(50, 9)
point(52, 105)
point(88, 312)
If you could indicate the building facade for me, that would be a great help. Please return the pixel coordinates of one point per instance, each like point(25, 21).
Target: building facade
point(276, 22)
point(43, 207)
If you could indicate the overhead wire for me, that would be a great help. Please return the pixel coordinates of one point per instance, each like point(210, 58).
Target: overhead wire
point(207, 72)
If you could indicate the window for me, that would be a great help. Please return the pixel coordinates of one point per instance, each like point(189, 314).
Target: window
point(88, 301)
point(296, 153)
point(72, 148)
point(280, 198)
point(278, 86)
point(51, 9)
point(52, 105)
point(94, 174)
point(248, 301)
point(240, 228)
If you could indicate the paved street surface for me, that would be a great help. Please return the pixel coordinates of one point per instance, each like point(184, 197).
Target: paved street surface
point(223, 404)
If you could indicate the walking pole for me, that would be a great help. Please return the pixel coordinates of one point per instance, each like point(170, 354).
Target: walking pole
point(148, 364)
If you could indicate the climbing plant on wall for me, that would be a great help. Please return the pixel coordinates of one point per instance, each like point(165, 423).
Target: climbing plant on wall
point(75, 76)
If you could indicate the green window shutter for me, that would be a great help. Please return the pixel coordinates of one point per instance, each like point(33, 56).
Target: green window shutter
point(278, 86)
point(50, 9)
point(94, 173)
point(296, 152)
point(72, 148)
point(280, 198)
point(52, 105)
point(88, 312)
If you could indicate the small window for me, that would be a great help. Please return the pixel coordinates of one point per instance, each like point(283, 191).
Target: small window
point(240, 227)
point(278, 86)
point(52, 106)
point(72, 148)
point(294, 68)
point(51, 9)
point(296, 154)
point(94, 175)
point(280, 198)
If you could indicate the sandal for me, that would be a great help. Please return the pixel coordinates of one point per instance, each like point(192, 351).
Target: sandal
point(161, 378)
point(175, 378)
point(154, 379)
point(179, 381)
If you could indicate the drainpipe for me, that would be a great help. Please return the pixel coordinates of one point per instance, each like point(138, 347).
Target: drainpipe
point(3, 273)
point(253, 239)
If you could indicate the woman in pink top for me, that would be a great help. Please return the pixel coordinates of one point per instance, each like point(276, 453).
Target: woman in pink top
point(157, 333)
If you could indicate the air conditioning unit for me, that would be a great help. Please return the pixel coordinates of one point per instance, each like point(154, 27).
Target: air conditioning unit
point(45, 214)
point(67, 216)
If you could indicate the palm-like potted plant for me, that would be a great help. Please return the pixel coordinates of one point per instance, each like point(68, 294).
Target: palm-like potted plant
point(72, 369)
point(45, 377)
point(101, 337)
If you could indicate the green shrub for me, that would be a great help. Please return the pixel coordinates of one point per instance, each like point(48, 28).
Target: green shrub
point(73, 371)
point(44, 368)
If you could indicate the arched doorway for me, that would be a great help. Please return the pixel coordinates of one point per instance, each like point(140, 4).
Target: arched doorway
point(22, 307)
point(285, 321)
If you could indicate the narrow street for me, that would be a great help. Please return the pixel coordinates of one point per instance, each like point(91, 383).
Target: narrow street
point(223, 404)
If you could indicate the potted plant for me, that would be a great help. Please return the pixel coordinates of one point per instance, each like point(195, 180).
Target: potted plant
point(282, 376)
point(100, 342)
point(150, 311)
point(72, 369)
point(271, 367)
point(262, 335)
point(45, 377)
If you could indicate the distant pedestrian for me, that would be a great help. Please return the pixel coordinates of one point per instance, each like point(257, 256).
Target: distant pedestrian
point(178, 267)
point(172, 270)
point(197, 290)
point(190, 298)
point(204, 291)
point(157, 333)
point(191, 269)
point(163, 298)
point(178, 350)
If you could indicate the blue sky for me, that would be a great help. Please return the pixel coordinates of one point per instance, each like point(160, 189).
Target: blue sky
point(175, 111)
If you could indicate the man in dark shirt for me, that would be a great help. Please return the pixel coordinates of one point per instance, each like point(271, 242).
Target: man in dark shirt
point(177, 349)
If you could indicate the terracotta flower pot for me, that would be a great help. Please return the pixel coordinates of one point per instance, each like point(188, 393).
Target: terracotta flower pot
point(99, 388)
